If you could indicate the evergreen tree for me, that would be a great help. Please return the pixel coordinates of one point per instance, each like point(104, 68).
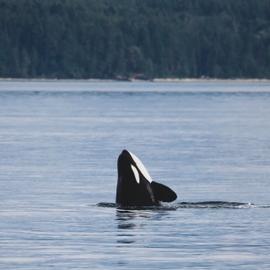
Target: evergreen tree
point(119, 38)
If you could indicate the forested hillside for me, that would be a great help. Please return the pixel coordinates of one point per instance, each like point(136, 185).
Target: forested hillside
point(125, 38)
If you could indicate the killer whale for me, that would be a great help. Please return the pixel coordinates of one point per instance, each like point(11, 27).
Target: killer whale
point(135, 186)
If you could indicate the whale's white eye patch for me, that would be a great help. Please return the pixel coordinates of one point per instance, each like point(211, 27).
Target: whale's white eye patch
point(136, 174)
point(141, 167)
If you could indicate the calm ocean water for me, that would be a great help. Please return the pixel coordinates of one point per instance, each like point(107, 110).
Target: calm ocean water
point(59, 143)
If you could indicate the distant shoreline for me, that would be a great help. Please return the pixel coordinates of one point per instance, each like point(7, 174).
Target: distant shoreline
point(136, 86)
point(155, 80)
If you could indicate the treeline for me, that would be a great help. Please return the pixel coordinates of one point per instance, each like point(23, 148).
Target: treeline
point(143, 38)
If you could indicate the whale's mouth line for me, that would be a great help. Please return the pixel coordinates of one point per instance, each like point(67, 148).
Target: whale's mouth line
point(188, 205)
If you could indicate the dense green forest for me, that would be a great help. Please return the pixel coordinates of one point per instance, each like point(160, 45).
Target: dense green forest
point(126, 38)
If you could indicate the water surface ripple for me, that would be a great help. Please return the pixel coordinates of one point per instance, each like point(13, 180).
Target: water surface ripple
point(59, 142)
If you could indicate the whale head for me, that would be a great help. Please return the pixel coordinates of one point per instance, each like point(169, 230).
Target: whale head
point(135, 187)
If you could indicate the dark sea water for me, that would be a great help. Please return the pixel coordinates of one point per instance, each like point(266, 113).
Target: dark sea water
point(59, 143)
